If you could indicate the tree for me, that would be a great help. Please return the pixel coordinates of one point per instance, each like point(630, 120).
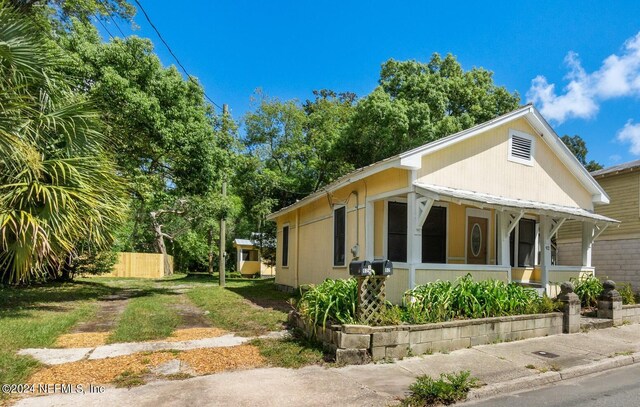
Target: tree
point(168, 141)
point(58, 186)
point(579, 149)
point(416, 103)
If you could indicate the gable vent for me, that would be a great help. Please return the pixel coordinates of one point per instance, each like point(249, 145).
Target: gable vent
point(520, 147)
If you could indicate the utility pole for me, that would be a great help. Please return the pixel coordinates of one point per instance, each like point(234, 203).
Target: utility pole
point(223, 238)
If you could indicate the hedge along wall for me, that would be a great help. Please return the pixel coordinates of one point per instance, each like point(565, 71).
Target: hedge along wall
point(357, 344)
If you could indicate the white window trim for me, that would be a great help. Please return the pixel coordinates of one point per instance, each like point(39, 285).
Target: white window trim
point(477, 213)
point(524, 135)
point(346, 210)
point(286, 225)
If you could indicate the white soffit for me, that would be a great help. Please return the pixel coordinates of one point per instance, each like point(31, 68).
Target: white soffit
point(501, 203)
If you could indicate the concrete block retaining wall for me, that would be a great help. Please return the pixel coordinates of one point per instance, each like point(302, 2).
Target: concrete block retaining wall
point(631, 313)
point(357, 344)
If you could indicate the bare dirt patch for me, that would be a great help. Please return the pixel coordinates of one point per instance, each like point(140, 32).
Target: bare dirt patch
point(109, 309)
point(190, 315)
point(105, 371)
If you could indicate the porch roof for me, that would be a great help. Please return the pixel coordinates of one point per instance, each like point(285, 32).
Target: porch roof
point(498, 202)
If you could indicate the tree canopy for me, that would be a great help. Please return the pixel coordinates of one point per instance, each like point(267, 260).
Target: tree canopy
point(579, 149)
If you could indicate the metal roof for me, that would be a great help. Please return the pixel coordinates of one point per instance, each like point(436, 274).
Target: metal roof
point(617, 168)
point(499, 202)
point(243, 242)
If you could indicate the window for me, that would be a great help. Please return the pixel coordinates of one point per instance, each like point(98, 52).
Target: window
point(285, 246)
point(339, 236)
point(434, 236)
point(521, 147)
point(525, 235)
point(397, 232)
point(249, 255)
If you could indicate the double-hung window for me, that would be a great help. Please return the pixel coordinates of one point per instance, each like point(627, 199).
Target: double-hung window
point(523, 244)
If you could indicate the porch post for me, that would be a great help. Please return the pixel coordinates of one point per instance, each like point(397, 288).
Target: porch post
point(587, 242)
point(504, 258)
point(545, 251)
point(414, 247)
point(369, 228)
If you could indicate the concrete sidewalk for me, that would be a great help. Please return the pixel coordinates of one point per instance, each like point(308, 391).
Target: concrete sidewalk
point(504, 367)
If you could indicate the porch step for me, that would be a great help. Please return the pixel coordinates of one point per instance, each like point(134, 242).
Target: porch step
point(589, 323)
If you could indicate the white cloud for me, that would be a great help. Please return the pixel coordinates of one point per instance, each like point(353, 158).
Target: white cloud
point(619, 76)
point(630, 133)
point(615, 158)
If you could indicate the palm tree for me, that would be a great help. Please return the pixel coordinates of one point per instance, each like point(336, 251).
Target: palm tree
point(57, 185)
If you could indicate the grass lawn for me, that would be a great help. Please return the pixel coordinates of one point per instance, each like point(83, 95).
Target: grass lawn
point(34, 317)
point(234, 308)
point(147, 317)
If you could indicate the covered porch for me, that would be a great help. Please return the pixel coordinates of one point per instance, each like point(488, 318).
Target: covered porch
point(432, 232)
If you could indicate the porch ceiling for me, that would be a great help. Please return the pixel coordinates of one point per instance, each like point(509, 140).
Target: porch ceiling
point(501, 203)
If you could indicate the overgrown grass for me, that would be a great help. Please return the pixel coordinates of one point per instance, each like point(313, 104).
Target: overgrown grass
point(248, 308)
point(33, 317)
point(294, 352)
point(147, 317)
point(443, 300)
point(588, 289)
point(627, 294)
point(448, 389)
point(332, 301)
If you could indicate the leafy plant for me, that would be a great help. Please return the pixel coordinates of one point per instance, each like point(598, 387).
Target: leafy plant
point(331, 301)
point(442, 300)
point(627, 294)
point(448, 389)
point(588, 288)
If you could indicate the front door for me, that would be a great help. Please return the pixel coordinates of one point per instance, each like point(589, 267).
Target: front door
point(476, 240)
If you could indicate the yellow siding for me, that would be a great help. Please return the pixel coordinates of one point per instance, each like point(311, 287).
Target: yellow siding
point(139, 265)
point(483, 161)
point(428, 276)
point(456, 234)
point(315, 261)
point(558, 277)
point(250, 267)
point(529, 274)
point(624, 193)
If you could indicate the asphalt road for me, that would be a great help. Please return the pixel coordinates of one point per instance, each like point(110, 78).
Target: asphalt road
point(617, 387)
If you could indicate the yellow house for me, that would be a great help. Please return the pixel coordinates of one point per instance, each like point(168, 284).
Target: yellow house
point(616, 254)
point(248, 261)
point(485, 201)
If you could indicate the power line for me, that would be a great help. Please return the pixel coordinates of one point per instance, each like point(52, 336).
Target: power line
point(146, 16)
point(117, 26)
point(104, 26)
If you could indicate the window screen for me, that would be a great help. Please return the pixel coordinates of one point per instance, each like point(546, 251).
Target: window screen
point(434, 236)
point(397, 232)
point(339, 239)
point(526, 243)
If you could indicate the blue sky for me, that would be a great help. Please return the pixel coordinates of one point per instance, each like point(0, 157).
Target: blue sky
point(578, 62)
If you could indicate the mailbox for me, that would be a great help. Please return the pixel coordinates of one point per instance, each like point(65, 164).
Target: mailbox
point(360, 268)
point(382, 267)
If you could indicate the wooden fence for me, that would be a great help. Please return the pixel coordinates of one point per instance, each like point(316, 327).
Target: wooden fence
point(139, 265)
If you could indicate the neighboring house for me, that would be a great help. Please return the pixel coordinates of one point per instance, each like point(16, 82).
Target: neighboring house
point(481, 201)
point(248, 262)
point(617, 252)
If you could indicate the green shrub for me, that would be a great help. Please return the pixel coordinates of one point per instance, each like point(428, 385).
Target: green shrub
point(391, 315)
point(627, 294)
point(546, 305)
point(588, 289)
point(442, 300)
point(333, 301)
point(450, 388)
